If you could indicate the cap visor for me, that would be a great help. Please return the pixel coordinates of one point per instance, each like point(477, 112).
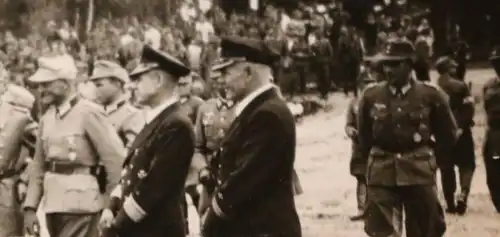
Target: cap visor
point(142, 68)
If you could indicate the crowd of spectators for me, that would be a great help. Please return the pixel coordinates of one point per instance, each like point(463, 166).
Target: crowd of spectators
point(191, 35)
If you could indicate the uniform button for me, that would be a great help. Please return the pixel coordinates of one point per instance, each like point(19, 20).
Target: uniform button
point(219, 182)
point(398, 125)
point(398, 156)
point(399, 109)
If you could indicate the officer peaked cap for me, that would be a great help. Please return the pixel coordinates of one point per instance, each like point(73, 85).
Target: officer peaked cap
point(394, 50)
point(155, 59)
point(250, 50)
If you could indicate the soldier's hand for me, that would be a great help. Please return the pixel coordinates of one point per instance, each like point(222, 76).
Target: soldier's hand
point(31, 223)
point(107, 219)
point(351, 132)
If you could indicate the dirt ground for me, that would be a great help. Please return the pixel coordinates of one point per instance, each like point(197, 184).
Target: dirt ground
point(329, 191)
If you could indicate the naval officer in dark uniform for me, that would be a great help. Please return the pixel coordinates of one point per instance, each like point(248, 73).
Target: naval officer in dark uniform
point(462, 107)
point(148, 199)
point(255, 195)
point(396, 120)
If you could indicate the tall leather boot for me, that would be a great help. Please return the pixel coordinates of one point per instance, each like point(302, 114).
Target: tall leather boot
point(449, 187)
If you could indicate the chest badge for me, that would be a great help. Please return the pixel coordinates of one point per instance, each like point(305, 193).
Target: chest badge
point(208, 118)
point(141, 174)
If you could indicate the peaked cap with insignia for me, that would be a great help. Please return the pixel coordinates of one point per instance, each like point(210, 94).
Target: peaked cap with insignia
point(246, 49)
point(155, 59)
point(394, 50)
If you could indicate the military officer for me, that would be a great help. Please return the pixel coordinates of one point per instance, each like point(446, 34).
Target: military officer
point(76, 145)
point(190, 104)
point(491, 151)
point(109, 79)
point(255, 195)
point(213, 120)
point(357, 168)
point(462, 107)
point(395, 122)
point(148, 199)
point(16, 128)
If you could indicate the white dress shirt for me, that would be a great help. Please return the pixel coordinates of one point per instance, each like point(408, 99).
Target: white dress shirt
point(152, 113)
point(250, 97)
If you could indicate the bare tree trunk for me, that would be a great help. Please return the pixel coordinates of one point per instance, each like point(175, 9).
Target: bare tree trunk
point(90, 16)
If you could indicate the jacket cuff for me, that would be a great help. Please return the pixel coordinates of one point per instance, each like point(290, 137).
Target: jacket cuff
point(133, 210)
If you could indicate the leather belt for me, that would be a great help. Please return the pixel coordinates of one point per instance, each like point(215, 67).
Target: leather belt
point(67, 168)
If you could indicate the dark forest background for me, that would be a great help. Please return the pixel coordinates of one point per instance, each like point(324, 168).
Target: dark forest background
point(479, 20)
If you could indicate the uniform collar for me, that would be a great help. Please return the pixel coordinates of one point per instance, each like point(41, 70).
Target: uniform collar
point(152, 113)
point(250, 97)
point(115, 105)
point(66, 106)
point(404, 89)
point(184, 99)
point(224, 103)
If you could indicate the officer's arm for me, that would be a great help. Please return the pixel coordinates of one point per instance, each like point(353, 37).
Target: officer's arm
point(443, 127)
point(29, 136)
point(364, 120)
point(259, 165)
point(36, 174)
point(172, 156)
point(199, 135)
point(109, 147)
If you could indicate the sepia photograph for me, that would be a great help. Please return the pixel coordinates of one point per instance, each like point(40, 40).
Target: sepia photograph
point(249, 118)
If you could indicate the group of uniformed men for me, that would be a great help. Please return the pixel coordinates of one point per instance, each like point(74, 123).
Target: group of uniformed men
point(403, 130)
point(111, 169)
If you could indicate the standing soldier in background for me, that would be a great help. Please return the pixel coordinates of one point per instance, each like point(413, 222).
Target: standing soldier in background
point(322, 58)
point(491, 148)
point(357, 166)
point(16, 129)
point(76, 146)
point(110, 79)
point(462, 107)
point(459, 51)
point(396, 120)
point(423, 55)
point(213, 120)
point(189, 105)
